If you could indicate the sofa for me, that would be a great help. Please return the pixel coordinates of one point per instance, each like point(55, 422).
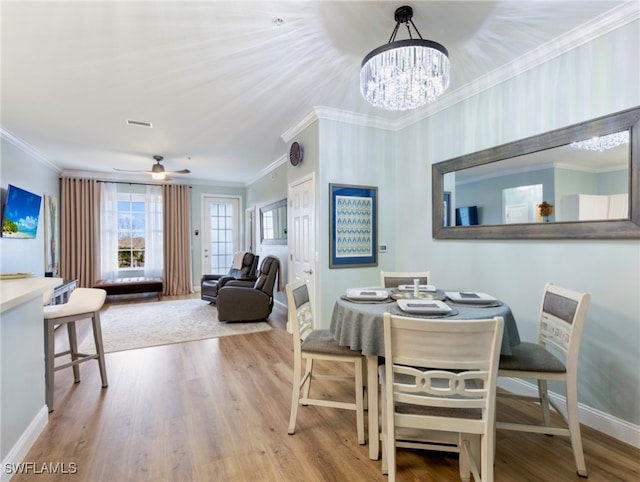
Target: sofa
point(210, 284)
point(246, 301)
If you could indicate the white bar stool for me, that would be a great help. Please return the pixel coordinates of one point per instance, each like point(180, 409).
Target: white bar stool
point(83, 303)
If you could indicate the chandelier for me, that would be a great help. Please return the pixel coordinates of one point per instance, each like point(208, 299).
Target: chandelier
point(603, 143)
point(404, 74)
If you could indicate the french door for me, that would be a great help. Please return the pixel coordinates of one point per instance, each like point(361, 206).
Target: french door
point(220, 233)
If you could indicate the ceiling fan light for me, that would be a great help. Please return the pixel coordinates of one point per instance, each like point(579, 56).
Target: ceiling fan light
point(158, 176)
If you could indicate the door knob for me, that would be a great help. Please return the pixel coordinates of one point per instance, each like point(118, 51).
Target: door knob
point(308, 271)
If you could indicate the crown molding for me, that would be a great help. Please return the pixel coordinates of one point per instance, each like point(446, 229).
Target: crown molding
point(607, 22)
point(271, 167)
point(329, 113)
point(294, 130)
point(28, 149)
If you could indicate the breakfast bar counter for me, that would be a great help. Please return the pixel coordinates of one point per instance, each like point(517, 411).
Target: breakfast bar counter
point(23, 412)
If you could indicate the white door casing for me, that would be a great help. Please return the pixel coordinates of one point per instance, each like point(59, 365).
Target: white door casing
point(220, 232)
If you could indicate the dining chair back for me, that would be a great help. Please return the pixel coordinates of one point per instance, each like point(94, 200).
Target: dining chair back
point(553, 357)
point(391, 279)
point(438, 386)
point(311, 344)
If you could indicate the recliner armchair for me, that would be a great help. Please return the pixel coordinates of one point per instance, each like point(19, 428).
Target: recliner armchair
point(210, 284)
point(245, 301)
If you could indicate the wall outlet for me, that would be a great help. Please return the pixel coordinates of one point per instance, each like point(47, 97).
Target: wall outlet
point(382, 248)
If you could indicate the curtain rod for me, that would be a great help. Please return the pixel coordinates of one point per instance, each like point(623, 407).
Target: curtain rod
point(137, 183)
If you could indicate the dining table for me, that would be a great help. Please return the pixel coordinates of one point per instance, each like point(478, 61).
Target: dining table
point(358, 325)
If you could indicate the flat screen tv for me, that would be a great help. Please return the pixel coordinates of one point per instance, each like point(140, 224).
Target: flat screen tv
point(467, 216)
point(21, 214)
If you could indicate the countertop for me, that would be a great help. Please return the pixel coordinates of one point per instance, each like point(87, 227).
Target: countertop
point(14, 292)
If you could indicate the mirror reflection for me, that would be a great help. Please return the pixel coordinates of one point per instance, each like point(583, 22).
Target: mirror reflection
point(273, 223)
point(579, 181)
point(582, 181)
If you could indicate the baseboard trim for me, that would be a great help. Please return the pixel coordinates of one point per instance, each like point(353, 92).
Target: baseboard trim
point(24, 444)
point(602, 422)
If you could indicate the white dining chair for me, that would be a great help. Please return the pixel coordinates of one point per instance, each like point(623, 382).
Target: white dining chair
point(553, 357)
point(438, 389)
point(311, 344)
point(393, 279)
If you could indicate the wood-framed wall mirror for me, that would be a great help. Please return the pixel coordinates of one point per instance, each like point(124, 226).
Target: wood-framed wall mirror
point(273, 223)
point(547, 186)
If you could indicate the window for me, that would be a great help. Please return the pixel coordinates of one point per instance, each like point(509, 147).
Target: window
point(131, 230)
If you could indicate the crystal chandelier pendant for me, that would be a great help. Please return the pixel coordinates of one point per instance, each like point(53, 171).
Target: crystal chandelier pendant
point(404, 74)
point(603, 143)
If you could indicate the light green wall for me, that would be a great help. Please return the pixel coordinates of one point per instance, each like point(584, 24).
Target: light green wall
point(270, 188)
point(22, 398)
point(562, 92)
point(357, 155)
point(19, 168)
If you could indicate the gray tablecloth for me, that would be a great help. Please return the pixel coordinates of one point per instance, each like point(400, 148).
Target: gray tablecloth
point(359, 325)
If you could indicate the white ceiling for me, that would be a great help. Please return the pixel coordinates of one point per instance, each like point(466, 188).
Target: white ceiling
point(225, 86)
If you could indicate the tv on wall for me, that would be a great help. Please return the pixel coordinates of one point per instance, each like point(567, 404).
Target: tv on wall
point(467, 216)
point(21, 214)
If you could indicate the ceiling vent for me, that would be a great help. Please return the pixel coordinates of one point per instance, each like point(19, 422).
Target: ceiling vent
point(139, 123)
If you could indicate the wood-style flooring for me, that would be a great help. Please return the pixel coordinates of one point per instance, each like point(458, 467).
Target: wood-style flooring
point(218, 410)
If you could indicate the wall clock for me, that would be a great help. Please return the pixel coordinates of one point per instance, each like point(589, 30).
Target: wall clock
point(295, 154)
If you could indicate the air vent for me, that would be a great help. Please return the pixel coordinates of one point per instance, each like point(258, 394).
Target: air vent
point(139, 123)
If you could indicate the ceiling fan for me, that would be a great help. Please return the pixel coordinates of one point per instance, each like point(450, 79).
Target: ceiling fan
point(157, 170)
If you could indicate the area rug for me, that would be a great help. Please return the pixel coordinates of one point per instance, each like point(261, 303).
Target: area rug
point(139, 325)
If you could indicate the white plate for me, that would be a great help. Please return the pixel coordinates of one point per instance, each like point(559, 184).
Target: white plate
point(420, 288)
point(424, 307)
point(471, 297)
point(363, 294)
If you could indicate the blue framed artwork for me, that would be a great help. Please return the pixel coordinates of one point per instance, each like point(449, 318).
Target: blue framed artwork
point(353, 226)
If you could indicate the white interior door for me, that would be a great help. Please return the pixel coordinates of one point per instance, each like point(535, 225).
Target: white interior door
point(220, 233)
point(302, 235)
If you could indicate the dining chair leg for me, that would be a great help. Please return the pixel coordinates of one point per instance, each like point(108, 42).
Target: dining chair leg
point(365, 382)
point(543, 394)
point(309, 375)
point(373, 392)
point(574, 427)
point(49, 354)
point(389, 443)
point(486, 457)
point(97, 338)
point(359, 401)
point(73, 349)
point(463, 458)
point(295, 395)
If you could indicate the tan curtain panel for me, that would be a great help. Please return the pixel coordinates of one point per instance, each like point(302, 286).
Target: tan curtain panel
point(177, 240)
point(79, 228)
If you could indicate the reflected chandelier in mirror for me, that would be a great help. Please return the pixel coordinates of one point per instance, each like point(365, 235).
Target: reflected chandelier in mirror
point(580, 181)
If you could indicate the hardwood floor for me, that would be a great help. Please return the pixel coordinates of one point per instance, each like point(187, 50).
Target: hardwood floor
point(218, 410)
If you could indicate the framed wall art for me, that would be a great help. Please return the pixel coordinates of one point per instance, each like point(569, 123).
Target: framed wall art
point(353, 226)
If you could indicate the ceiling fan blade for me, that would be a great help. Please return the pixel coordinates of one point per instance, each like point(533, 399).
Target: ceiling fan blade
point(183, 171)
point(131, 170)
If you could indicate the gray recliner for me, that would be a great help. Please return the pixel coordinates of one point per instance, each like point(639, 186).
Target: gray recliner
point(245, 301)
point(210, 284)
